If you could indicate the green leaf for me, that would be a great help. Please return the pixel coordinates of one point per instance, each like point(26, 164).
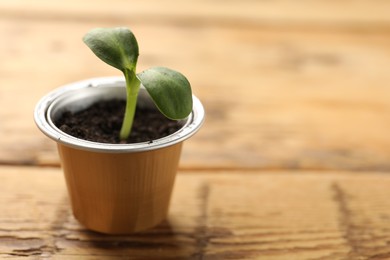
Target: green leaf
point(170, 91)
point(117, 47)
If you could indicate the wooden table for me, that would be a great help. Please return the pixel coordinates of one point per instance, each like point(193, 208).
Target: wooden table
point(293, 161)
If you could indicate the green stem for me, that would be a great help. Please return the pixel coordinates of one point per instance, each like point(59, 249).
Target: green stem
point(132, 89)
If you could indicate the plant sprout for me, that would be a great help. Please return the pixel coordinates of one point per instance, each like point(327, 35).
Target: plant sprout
point(169, 89)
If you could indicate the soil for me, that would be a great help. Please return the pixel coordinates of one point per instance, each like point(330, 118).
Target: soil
point(101, 122)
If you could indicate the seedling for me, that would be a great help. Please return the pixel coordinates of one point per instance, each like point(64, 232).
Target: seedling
point(169, 89)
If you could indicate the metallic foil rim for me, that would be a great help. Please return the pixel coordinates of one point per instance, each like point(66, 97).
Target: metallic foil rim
point(62, 95)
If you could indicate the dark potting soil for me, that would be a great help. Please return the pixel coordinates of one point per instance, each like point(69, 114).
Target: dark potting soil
point(101, 122)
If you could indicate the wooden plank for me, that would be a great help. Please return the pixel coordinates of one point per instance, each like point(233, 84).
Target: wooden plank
point(308, 215)
point(321, 14)
point(274, 99)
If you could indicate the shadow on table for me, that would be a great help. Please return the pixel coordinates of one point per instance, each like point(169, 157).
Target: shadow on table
point(161, 242)
point(165, 241)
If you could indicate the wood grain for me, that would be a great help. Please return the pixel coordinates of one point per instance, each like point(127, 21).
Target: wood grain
point(296, 86)
point(285, 215)
point(357, 15)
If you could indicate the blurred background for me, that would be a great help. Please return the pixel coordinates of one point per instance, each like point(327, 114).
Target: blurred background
point(286, 84)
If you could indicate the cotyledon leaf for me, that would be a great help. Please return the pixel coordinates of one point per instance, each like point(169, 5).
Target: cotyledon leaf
point(170, 91)
point(117, 47)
